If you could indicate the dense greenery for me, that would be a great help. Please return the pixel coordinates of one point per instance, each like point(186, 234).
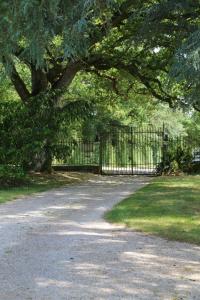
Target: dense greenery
point(168, 207)
point(62, 61)
point(25, 132)
point(12, 176)
point(179, 22)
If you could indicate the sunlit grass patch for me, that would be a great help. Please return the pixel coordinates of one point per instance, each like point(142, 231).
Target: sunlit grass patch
point(168, 207)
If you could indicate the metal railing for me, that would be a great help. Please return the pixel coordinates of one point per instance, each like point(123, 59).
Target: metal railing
point(120, 150)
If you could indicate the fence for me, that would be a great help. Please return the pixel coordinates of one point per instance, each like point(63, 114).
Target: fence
point(78, 155)
point(128, 150)
point(120, 150)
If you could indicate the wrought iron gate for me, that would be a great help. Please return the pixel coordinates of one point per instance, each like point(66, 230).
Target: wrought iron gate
point(119, 150)
point(128, 150)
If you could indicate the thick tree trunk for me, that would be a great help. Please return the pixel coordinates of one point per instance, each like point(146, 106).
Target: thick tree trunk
point(46, 165)
point(42, 161)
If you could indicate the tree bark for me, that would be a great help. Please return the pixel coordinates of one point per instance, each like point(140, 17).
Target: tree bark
point(19, 85)
point(68, 75)
point(48, 159)
point(39, 81)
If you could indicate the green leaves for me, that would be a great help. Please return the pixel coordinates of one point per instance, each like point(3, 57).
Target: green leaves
point(174, 25)
point(38, 22)
point(12, 176)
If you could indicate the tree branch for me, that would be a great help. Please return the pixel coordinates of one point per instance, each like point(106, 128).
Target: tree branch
point(19, 85)
point(196, 107)
point(106, 63)
point(117, 19)
point(68, 74)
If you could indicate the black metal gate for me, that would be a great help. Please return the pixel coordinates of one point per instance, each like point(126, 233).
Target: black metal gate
point(119, 150)
point(129, 150)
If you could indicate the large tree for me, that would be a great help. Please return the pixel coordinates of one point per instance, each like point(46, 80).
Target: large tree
point(54, 40)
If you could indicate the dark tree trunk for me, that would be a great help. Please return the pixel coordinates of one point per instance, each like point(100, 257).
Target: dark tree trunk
point(46, 165)
point(42, 161)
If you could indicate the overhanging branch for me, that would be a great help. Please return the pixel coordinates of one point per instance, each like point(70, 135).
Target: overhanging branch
point(68, 74)
point(19, 85)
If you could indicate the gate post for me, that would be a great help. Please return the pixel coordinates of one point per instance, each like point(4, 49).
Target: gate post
point(101, 154)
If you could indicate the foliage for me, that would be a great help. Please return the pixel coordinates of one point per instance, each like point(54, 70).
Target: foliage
point(38, 24)
point(167, 207)
point(7, 91)
point(178, 22)
point(105, 36)
point(22, 136)
point(61, 38)
point(12, 176)
point(181, 155)
point(29, 136)
point(122, 49)
point(178, 157)
point(192, 125)
point(126, 107)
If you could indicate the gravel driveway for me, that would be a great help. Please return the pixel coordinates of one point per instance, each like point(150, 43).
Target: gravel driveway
point(55, 245)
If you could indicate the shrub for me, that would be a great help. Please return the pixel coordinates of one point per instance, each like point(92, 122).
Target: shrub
point(178, 157)
point(12, 176)
point(24, 134)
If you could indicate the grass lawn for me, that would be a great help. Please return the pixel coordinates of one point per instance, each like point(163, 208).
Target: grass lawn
point(39, 183)
point(168, 207)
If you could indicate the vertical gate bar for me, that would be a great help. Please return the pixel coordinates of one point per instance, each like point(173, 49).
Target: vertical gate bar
point(126, 140)
point(109, 152)
point(137, 152)
point(118, 151)
point(132, 151)
point(101, 154)
point(146, 163)
point(164, 148)
point(150, 149)
point(151, 145)
point(111, 143)
point(139, 147)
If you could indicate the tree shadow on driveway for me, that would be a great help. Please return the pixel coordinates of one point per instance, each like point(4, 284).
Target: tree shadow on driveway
point(57, 246)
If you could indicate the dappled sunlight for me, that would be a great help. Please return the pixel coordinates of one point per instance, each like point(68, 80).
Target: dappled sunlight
point(63, 248)
point(35, 214)
point(162, 209)
point(131, 272)
point(68, 206)
point(44, 282)
point(74, 233)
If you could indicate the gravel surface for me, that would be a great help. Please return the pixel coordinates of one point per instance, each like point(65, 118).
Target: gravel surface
point(55, 245)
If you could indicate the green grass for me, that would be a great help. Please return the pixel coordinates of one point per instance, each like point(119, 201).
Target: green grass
point(39, 183)
point(168, 207)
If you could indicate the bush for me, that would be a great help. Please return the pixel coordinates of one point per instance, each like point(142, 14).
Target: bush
point(12, 176)
point(178, 157)
point(28, 133)
point(195, 168)
point(22, 135)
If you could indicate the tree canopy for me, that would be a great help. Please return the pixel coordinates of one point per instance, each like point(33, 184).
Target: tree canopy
point(134, 52)
point(57, 39)
point(178, 22)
